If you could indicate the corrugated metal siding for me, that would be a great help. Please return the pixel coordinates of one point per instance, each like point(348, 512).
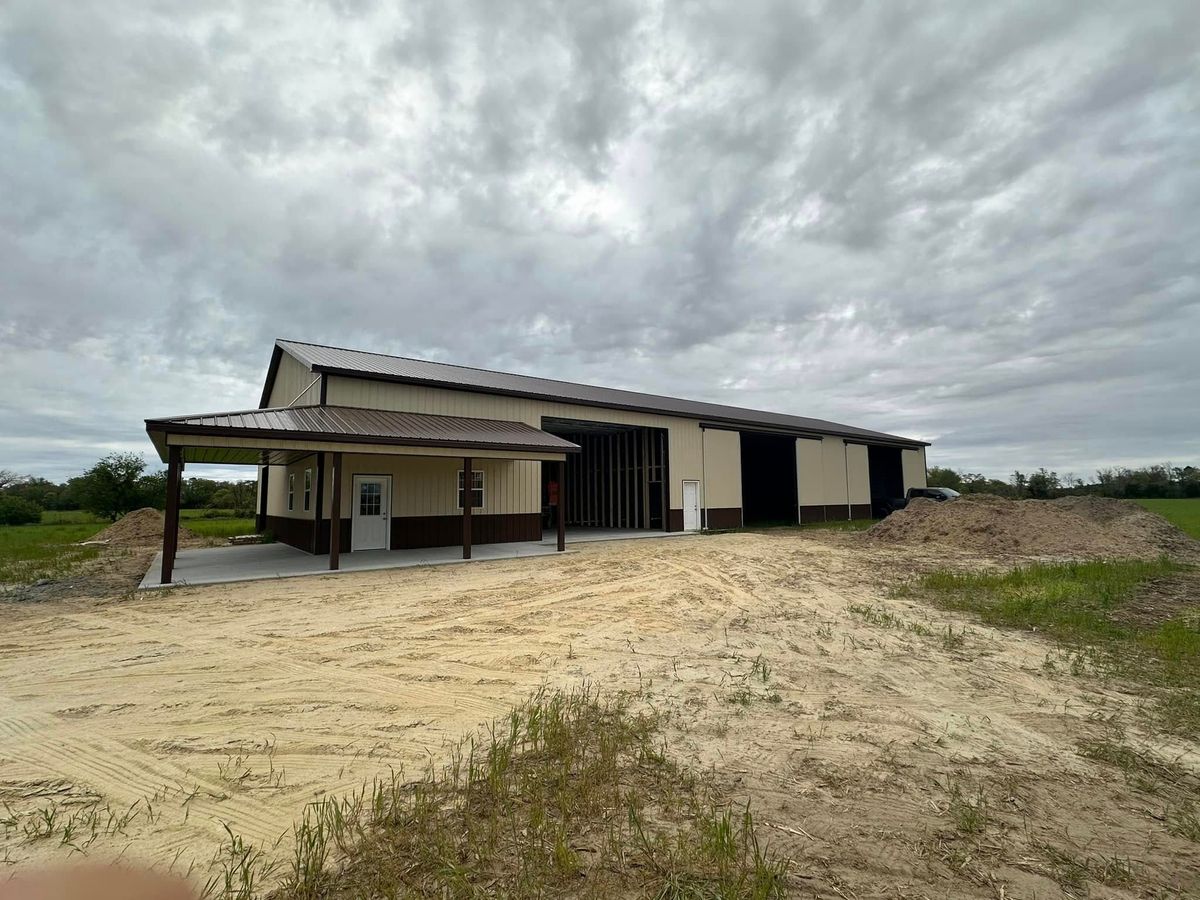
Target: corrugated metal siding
point(722, 469)
point(684, 436)
point(858, 469)
point(810, 476)
point(913, 464)
point(833, 471)
point(550, 390)
point(291, 378)
point(423, 486)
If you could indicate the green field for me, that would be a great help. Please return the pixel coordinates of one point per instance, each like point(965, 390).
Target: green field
point(30, 553)
point(1183, 514)
point(50, 550)
point(71, 517)
point(219, 527)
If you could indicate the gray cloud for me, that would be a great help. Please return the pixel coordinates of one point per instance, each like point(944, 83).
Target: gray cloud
point(971, 225)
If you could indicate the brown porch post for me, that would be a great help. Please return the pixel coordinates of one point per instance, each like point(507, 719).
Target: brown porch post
point(319, 503)
point(171, 518)
point(561, 474)
point(260, 523)
point(466, 507)
point(335, 513)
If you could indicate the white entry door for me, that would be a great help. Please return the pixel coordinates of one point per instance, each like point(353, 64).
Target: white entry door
point(691, 506)
point(371, 517)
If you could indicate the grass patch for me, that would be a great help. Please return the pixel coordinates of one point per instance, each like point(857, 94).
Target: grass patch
point(29, 553)
point(570, 795)
point(71, 517)
point(1143, 770)
point(1184, 514)
point(220, 528)
point(1079, 605)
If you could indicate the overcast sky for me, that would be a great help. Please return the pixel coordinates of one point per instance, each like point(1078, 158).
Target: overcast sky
point(972, 223)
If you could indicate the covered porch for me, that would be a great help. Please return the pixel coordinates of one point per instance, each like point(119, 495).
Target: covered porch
point(340, 442)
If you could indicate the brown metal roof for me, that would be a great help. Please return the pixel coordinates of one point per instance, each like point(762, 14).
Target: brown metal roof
point(370, 426)
point(363, 364)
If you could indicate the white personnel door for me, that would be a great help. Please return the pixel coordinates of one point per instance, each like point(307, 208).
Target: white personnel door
point(691, 506)
point(371, 517)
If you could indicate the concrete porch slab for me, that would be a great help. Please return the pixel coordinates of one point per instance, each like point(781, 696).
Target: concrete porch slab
point(253, 562)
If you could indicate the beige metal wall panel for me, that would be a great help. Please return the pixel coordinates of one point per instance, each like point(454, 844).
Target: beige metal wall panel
point(291, 379)
point(685, 438)
point(429, 487)
point(913, 463)
point(833, 471)
point(722, 469)
point(858, 471)
point(810, 476)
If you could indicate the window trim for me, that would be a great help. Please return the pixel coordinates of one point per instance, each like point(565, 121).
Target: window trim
point(308, 484)
point(482, 489)
point(291, 491)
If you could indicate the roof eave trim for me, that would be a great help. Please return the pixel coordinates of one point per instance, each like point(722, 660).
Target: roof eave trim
point(272, 370)
point(165, 428)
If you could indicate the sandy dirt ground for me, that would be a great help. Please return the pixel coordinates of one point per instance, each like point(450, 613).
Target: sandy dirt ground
point(184, 712)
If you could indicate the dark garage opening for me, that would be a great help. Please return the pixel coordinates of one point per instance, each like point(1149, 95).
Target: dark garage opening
point(619, 478)
point(887, 477)
point(769, 494)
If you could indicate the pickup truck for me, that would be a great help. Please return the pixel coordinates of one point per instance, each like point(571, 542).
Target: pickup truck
point(939, 494)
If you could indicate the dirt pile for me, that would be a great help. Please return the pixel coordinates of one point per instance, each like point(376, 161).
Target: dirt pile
point(141, 528)
point(1069, 526)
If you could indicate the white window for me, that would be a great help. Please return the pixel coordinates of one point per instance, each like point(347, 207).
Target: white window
point(476, 489)
point(291, 490)
point(307, 489)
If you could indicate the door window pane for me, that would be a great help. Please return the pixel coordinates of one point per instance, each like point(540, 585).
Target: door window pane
point(369, 498)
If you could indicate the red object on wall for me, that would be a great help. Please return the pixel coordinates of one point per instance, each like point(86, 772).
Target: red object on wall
point(552, 491)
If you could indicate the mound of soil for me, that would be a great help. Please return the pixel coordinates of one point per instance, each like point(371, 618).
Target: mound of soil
point(1069, 526)
point(141, 528)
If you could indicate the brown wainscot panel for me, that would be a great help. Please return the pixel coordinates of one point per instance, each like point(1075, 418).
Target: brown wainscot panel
point(323, 536)
point(860, 510)
point(409, 532)
point(725, 517)
point(838, 512)
point(294, 532)
point(675, 520)
point(812, 514)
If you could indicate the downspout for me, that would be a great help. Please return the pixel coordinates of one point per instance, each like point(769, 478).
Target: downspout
point(846, 467)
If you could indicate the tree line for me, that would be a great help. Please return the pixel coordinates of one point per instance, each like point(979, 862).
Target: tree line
point(114, 485)
point(1164, 481)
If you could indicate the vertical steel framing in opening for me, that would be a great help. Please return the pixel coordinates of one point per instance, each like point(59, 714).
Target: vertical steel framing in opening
point(171, 519)
point(664, 467)
point(610, 483)
point(646, 479)
point(466, 502)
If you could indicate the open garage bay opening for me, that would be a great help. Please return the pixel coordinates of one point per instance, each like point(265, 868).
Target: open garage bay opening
point(619, 480)
point(769, 495)
point(887, 477)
